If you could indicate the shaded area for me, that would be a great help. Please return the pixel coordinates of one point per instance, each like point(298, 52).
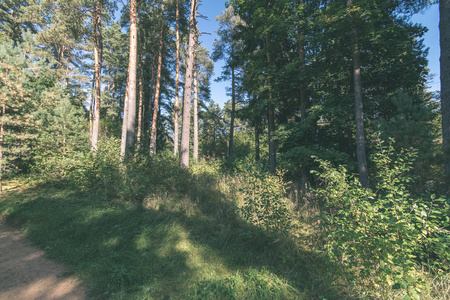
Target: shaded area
point(181, 239)
point(25, 273)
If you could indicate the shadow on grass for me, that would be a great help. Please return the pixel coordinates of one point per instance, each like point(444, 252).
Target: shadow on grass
point(178, 240)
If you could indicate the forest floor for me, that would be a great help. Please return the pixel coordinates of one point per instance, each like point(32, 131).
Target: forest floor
point(26, 273)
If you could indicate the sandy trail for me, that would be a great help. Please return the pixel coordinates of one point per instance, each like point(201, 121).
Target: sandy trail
point(25, 272)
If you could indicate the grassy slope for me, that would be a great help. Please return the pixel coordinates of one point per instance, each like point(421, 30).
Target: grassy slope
point(178, 238)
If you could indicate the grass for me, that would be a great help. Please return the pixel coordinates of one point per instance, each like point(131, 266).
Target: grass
point(155, 231)
point(176, 236)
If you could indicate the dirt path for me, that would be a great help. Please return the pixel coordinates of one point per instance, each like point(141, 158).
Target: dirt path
point(26, 274)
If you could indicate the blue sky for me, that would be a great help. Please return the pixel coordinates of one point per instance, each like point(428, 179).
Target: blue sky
point(213, 8)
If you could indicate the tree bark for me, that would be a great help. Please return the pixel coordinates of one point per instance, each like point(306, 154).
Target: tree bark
point(195, 108)
point(233, 97)
point(444, 35)
point(184, 151)
point(98, 49)
point(157, 90)
point(233, 112)
point(359, 115)
point(131, 84)
point(177, 81)
point(141, 108)
point(195, 111)
point(123, 141)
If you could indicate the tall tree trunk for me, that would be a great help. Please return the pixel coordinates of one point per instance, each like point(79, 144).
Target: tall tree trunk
point(195, 111)
point(233, 97)
point(233, 111)
point(1, 145)
point(157, 90)
point(141, 108)
point(271, 119)
point(444, 35)
point(123, 141)
point(91, 111)
point(98, 49)
point(131, 84)
point(359, 115)
point(185, 128)
point(177, 81)
point(195, 108)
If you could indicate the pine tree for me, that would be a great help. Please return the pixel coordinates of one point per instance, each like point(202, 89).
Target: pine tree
point(226, 48)
point(129, 121)
point(185, 130)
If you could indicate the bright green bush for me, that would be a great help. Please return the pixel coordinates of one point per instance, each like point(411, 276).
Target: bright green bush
point(265, 204)
point(383, 235)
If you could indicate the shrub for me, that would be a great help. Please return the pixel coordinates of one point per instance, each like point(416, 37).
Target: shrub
point(264, 199)
point(384, 231)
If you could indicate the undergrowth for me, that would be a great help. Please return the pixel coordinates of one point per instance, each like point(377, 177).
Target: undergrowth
point(148, 229)
point(383, 240)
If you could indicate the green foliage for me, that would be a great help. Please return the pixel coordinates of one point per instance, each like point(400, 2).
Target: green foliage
point(254, 284)
point(62, 138)
point(100, 171)
point(265, 202)
point(171, 234)
point(384, 232)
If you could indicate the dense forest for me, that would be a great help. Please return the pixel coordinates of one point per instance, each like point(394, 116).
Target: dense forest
point(325, 176)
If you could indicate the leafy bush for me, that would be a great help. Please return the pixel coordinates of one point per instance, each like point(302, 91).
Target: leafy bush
point(100, 170)
point(384, 231)
point(264, 199)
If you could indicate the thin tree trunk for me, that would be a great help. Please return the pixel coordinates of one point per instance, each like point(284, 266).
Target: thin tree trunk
point(195, 108)
point(150, 95)
point(195, 111)
point(98, 49)
point(91, 111)
point(257, 156)
point(184, 151)
point(271, 119)
point(123, 141)
point(359, 115)
point(1, 145)
point(444, 35)
point(131, 84)
point(177, 82)
point(157, 90)
point(141, 108)
point(233, 111)
point(233, 98)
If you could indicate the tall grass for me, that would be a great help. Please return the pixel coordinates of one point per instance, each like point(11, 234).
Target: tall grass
point(151, 230)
